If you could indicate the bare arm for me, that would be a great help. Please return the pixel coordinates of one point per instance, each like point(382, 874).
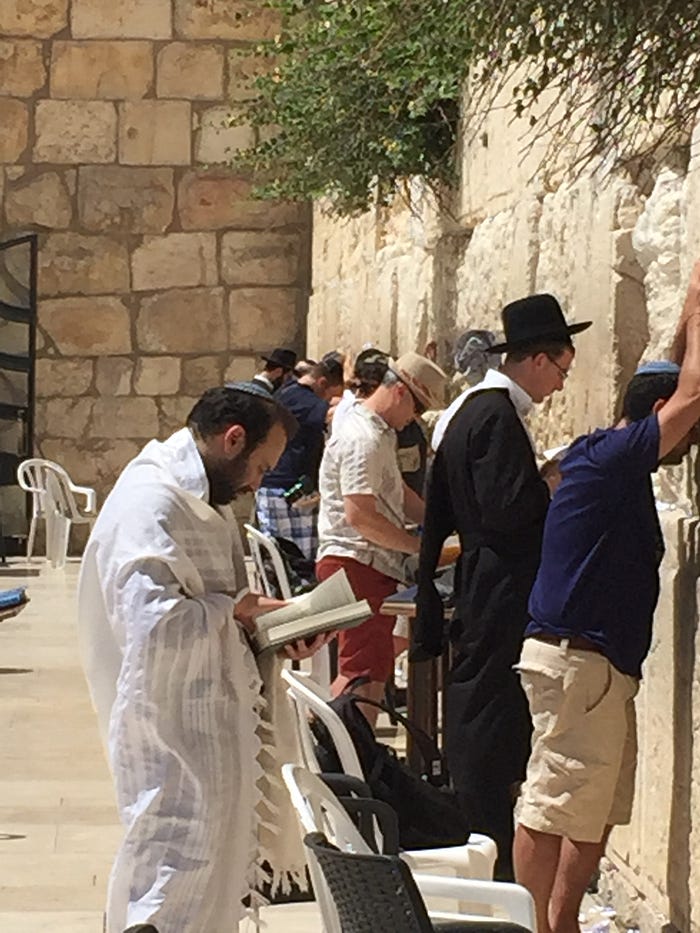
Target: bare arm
point(682, 411)
point(362, 515)
point(253, 605)
point(413, 505)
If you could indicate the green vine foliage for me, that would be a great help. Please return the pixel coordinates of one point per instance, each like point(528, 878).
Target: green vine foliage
point(364, 94)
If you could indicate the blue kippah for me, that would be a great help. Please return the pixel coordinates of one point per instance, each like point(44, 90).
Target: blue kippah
point(655, 367)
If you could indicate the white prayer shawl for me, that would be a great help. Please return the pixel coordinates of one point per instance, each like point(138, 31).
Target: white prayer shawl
point(177, 693)
point(494, 379)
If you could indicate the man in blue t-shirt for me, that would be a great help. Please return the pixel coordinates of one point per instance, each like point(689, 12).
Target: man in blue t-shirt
point(591, 611)
point(307, 398)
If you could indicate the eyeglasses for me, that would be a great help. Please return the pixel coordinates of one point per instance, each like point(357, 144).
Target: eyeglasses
point(417, 404)
point(564, 373)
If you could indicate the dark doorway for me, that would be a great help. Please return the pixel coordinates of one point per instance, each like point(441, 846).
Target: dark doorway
point(18, 287)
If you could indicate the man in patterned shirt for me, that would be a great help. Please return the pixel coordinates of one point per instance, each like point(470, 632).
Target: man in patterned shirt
point(365, 505)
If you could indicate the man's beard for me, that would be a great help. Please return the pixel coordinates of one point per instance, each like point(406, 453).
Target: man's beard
point(225, 478)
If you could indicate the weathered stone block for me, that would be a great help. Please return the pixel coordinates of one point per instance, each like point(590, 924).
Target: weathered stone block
point(258, 316)
point(175, 260)
point(63, 417)
point(59, 377)
point(38, 18)
point(111, 70)
point(221, 200)
point(14, 120)
point(155, 132)
point(22, 70)
point(224, 19)
point(96, 463)
point(200, 373)
point(190, 71)
point(42, 201)
point(260, 258)
point(174, 412)
point(243, 69)
point(137, 200)
point(241, 367)
point(75, 131)
point(124, 417)
point(216, 141)
point(182, 321)
point(121, 19)
point(84, 265)
point(87, 326)
point(113, 375)
point(157, 375)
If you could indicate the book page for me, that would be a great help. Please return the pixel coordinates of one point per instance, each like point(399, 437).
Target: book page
point(331, 594)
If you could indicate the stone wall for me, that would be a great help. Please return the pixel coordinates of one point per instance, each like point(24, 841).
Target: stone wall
point(617, 251)
point(159, 275)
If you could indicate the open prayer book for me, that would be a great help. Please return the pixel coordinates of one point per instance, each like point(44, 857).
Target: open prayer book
point(328, 607)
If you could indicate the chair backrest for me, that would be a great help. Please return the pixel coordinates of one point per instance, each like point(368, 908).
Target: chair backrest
point(308, 698)
point(31, 476)
point(260, 542)
point(59, 494)
point(372, 893)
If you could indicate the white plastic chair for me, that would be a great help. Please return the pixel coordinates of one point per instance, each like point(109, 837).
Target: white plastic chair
point(57, 505)
point(258, 543)
point(319, 810)
point(475, 859)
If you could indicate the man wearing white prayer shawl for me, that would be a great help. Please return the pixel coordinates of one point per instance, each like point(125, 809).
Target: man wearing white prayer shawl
point(163, 604)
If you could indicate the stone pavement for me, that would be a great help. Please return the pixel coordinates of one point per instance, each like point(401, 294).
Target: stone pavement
point(58, 823)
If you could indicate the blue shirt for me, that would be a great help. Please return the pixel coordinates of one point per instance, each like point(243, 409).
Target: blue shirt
point(598, 576)
point(302, 455)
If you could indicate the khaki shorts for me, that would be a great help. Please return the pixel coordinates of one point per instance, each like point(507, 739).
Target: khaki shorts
point(580, 776)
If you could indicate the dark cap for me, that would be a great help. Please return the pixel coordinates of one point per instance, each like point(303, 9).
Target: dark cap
point(286, 359)
point(532, 320)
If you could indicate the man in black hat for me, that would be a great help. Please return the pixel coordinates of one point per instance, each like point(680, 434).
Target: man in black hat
point(485, 485)
point(278, 365)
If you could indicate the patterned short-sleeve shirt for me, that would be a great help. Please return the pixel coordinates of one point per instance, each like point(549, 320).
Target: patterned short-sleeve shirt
point(360, 459)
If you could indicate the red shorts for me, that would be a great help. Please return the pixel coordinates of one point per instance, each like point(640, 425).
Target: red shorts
point(368, 649)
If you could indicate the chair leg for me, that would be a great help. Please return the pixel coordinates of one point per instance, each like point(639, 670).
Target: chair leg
point(63, 535)
point(30, 539)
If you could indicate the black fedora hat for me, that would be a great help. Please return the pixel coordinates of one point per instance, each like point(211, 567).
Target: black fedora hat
point(286, 359)
point(535, 319)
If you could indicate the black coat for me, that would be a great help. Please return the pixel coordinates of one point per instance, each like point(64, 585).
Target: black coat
point(486, 486)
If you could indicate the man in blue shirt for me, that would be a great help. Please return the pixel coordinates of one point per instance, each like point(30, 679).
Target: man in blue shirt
point(307, 398)
point(591, 611)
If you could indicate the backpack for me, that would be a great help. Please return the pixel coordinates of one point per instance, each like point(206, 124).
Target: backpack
point(300, 569)
point(428, 812)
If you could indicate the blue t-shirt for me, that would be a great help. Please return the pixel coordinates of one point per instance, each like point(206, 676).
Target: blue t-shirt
point(302, 455)
point(598, 576)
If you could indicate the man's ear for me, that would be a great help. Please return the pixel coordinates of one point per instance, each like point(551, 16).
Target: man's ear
point(234, 438)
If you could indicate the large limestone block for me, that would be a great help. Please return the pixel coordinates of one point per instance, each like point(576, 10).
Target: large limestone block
point(75, 132)
point(190, 71)
point(124, 417)
point(97, 463)
point(200, 373)
point(174, 410)
point(113, 375)
point(243, 69)
point(121, 19)
point(42, 201)
point(83, 265)
point(22, 70)
point(157, 375)
point(155, 132)
point(110, 70)
point(224, 19)
point(175, 260)
point(63, 417)
point(216, 141)
point(241, 368)
point(135, 200)
point(38, 18)
point(218, 200)
point(64, 377)
point(260, 258)
point(258, 316)
point(87, 326)
point(182, 321)
point(14, 120)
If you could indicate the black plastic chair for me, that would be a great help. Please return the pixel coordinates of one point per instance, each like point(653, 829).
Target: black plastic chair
point(377, 893)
